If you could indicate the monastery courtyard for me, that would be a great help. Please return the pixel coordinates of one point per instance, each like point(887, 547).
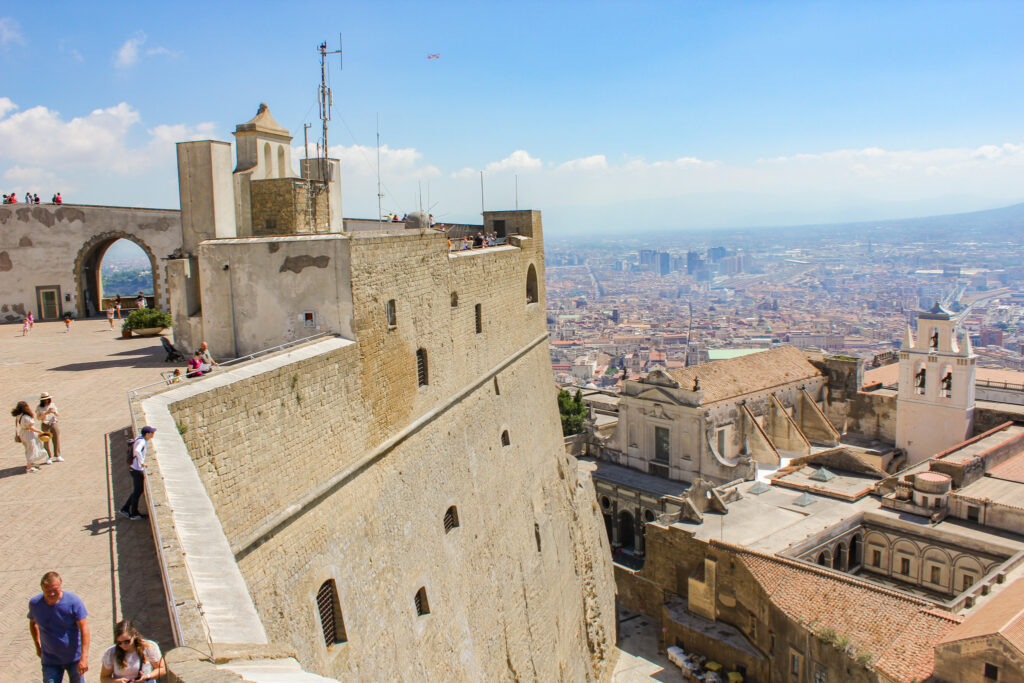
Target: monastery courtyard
point(62, 517)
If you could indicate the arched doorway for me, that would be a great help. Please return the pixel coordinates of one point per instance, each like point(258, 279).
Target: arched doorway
point(531, 285)
point(627, 537)
point(88, 273)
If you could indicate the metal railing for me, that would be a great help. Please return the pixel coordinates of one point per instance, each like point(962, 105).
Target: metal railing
point(252, 356)
point(157, 538)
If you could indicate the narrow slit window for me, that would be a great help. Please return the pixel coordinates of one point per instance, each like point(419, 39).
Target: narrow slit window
point(536, 535)
point(392, 313)
point(330, 613)
point(421, 367)
point(422, 606)
point(455, 299)
point(505, 441)
point(451, 519)
point(497, 391)
point(479, 319)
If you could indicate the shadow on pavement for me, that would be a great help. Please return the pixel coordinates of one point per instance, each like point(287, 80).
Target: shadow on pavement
point(12, 471)
point(137, 585)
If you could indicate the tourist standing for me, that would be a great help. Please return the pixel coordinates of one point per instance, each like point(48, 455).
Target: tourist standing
point(141, 303)
point(57, 622)
point(31, 320)
point(131, 658)
point(67, 322)
point(136, 469)
point(27, 433)
point(117, 306)
point(47, 414)
point(110, 316)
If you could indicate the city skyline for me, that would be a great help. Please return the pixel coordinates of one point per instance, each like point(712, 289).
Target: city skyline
point(607, 116)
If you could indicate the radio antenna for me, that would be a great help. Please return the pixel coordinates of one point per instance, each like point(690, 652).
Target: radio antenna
point(326, 99)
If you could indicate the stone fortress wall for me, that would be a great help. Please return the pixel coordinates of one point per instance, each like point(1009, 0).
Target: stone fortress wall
point(50, 247)
point(341, 467)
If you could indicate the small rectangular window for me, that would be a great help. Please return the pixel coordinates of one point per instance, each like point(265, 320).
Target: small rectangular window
point(905, 566)
point(991, 672)
point(392, 313)
point(794, 664)
point(967, 581)
point(936, 575)
point(973, 513)
point(309, 319)
point(479, 319)
point(876, 558)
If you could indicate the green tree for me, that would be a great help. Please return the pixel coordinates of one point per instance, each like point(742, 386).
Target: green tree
point(573, 412)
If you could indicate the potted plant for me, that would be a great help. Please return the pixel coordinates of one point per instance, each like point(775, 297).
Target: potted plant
point(146, 322)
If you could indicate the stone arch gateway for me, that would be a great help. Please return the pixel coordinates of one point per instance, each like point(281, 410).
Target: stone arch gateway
point(87, 270)
point(57, 249)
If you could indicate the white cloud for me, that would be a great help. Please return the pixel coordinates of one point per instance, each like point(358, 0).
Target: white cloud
point(10, 32)
point(99, 141)
point(128, 54)
point(519, 160)
point(596, 162)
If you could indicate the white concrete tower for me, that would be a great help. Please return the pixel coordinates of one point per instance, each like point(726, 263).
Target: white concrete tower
point(935, 409)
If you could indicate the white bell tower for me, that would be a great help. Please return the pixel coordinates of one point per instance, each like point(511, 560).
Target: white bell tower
point(935, 408)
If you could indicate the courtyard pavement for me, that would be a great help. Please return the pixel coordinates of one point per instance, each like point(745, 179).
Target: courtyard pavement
point(59, 518)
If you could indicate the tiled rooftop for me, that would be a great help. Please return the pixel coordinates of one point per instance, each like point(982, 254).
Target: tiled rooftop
point(1004, 616)
point(726, 379)
point(897, 629)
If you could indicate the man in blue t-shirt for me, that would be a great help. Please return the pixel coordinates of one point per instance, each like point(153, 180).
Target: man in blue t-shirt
point(57, 622)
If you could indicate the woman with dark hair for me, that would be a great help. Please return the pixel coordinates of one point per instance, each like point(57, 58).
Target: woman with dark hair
point(131, 658)
point(27, 433)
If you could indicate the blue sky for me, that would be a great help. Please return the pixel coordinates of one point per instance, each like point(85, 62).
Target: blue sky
point(612, 115)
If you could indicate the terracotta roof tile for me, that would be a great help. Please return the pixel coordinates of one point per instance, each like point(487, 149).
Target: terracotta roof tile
point(1004, 614)
point(723, 379)
point(899, 630)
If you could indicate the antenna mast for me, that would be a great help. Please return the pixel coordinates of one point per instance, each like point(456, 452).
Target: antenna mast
point(326, 99)
point(380, 195)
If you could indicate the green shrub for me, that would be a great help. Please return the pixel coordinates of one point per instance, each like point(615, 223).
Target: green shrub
point(143, 318)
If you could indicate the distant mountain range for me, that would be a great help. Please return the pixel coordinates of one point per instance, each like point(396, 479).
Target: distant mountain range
point(992, 225)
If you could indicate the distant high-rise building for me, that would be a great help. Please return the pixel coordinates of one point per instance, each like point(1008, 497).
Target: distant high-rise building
point(647, 257)
point(692, 262)
point(663, 262)
point(716, 254)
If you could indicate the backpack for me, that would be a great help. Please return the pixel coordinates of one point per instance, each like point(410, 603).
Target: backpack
point(130, 455)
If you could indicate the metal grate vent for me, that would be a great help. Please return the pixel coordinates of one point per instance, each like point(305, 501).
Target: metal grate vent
point(330, 613)
point(451, 519)
point(422, 606)
point(421, 367)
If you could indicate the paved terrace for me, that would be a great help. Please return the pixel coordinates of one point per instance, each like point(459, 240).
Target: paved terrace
point(60, 517)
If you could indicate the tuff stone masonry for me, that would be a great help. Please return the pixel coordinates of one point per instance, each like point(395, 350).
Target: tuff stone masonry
point(402, 475)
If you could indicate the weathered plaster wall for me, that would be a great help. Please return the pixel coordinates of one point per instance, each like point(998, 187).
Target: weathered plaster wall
point(964, 661)
point(260, 299)
point(50, 246)
point(523, 587)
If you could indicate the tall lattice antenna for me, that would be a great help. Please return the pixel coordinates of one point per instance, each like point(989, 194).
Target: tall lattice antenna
point(326, 99)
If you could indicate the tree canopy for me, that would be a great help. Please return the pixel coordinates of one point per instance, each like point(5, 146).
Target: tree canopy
point(573, 411)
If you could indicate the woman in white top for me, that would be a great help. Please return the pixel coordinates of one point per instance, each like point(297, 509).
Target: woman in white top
point(47, 414)
point(131, 658)
point(27, 432)
point(110, 316)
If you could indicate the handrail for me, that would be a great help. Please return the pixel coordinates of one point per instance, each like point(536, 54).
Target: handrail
point(172, 610)
point(251, 356)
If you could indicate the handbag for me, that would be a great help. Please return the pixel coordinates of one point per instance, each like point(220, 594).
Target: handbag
point(17, 432)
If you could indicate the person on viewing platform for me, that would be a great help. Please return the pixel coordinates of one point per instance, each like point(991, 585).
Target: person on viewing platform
point(35, 198)
point(206, 358)
point(195, 364)
point(60, 630)
point(57, 199)
point(48, 415)
point(131, 657)
point(27, 433)
point(141, 303)
point(28, 197)
point(136, 469)
point(117, 306)
point(110, 316)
